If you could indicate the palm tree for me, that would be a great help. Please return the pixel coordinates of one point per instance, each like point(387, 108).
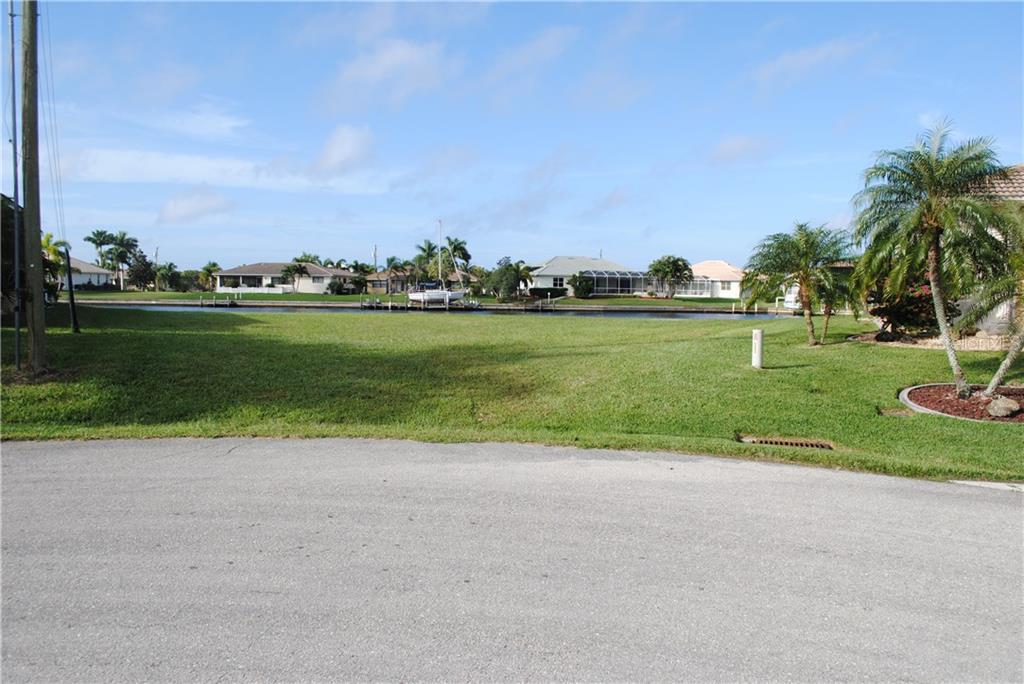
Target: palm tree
point(836, 294)
point(206, 274)
point(921, 204)
point(671, 271)
point(120, 253)
point(307, 258)
point(459, 252)
point(1001, 289)
point(53, 257)
point(166, 273)
point(803, 258)
point(100, 239)
point(292, 271)
point(523, 274)
point(426, 254)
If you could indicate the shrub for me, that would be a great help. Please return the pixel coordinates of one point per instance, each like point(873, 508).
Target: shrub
point(910, 312)
point(545, 292)
point(582, 286)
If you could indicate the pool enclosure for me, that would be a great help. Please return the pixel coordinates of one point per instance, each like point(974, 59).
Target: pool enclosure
point(619, 282)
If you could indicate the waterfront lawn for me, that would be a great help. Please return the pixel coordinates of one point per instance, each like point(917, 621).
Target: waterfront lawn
point(646, 384)
point(133, 296)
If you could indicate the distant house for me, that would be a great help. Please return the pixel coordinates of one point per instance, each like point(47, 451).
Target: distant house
point(389, 281)
point(265, 278)
point(84, 274)
point(609, 277)
point(714, 278)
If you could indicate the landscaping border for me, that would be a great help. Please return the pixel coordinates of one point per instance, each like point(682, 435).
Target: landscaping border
point(904, 397)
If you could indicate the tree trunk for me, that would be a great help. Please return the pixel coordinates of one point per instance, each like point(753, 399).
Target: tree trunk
point(805, 302)
point(963, 390)
point(824, 327)
point(1016, 344)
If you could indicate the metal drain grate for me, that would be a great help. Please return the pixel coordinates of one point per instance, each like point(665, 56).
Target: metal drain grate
point(786, 441)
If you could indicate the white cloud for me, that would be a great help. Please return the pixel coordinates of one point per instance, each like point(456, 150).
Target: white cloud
point(168, 81)
point(205, 121)
point(112, 165)
point(928, 120)
point(609, 88)
point(346, 148)
point(791, 67)
point(361, 24)
point(194, 204)
point(518, 68)
point(547, 45)
point(393, 69)
point(738, 149)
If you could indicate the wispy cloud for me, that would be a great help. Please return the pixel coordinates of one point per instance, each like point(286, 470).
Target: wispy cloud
point(193, 205)
point(791, 67)
point(605, 204)
point(345, 149)
point(737, 149)
point(358, 23)
point(393, 70)
point(204, 121)
point(518, 68)
point(168, 81)
point(609, 88)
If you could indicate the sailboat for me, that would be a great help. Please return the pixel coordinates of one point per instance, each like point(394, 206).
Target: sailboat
point(440, 294)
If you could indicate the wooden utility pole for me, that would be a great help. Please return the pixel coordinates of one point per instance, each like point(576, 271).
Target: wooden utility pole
point(31, 224)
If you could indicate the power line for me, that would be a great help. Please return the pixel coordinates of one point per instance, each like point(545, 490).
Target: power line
point(52, 131)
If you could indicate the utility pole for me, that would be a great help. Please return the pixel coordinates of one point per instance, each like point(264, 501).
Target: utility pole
point(36, 318)
point(156, 270)
point(16, 199)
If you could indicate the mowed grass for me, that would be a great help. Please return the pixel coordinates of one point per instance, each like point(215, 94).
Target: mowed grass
point(646, 384)
point(131, 295)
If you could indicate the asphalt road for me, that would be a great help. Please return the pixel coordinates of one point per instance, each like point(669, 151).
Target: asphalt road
point(241, 560)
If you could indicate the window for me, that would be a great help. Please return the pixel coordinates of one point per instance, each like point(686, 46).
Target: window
point(726, 285)
point(558, 282)
point(318, 279)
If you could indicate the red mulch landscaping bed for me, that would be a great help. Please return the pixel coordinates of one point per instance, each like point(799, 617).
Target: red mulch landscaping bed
point(942, 398)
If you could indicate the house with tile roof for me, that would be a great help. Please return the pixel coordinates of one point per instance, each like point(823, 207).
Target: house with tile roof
point(714, 278)
point(266, 277)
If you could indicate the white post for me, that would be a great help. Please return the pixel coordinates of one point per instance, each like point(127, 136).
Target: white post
point(734, 307)
point(755, 307)
point(757, 349)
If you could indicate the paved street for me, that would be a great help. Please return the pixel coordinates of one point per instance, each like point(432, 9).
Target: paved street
point(244, 560)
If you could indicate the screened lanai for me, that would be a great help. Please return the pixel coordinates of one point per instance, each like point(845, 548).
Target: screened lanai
point(618, 282)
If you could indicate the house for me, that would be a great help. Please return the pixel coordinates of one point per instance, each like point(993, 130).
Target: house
point(609, 277)
point(389, 281)
point(265, 278)
point(84, 274)
point(714, 278)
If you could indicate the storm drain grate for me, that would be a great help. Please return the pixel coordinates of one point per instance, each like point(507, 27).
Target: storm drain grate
point(786, 441)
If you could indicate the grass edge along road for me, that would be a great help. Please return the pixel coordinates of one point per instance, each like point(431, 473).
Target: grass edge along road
point(656, 385)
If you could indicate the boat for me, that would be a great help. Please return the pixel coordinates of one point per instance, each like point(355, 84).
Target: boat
point(437, 293)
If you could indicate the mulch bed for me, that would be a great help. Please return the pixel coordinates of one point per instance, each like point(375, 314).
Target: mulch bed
point(943, 398)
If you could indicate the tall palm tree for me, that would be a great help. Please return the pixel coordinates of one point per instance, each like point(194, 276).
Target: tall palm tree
point(459, 252)
point(100, 239)
point(803, 258)
point(308, 258)
point(921, 204)
point(206, 274)
point(523, 274)
point(292, 271)
point(166, 273)
point(122, 246)
point(426, 255)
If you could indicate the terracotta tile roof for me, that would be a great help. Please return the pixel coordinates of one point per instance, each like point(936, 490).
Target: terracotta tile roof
point(717, 270)
point(1009, 187)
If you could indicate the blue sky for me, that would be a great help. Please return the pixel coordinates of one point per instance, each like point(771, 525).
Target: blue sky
point(252, 132)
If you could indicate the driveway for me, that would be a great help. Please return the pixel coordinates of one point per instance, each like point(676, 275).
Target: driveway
point(244, 560)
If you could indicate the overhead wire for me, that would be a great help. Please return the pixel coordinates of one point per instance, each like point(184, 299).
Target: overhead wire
point(51, 130)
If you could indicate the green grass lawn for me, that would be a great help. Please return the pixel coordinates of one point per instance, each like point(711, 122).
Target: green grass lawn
point(696, 302)
point(648, 384)
point(131, 295)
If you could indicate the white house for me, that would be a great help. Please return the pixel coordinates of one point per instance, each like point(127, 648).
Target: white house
point(714, 278)
point(266, 278)
point(84, 273)
point(609, 277)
